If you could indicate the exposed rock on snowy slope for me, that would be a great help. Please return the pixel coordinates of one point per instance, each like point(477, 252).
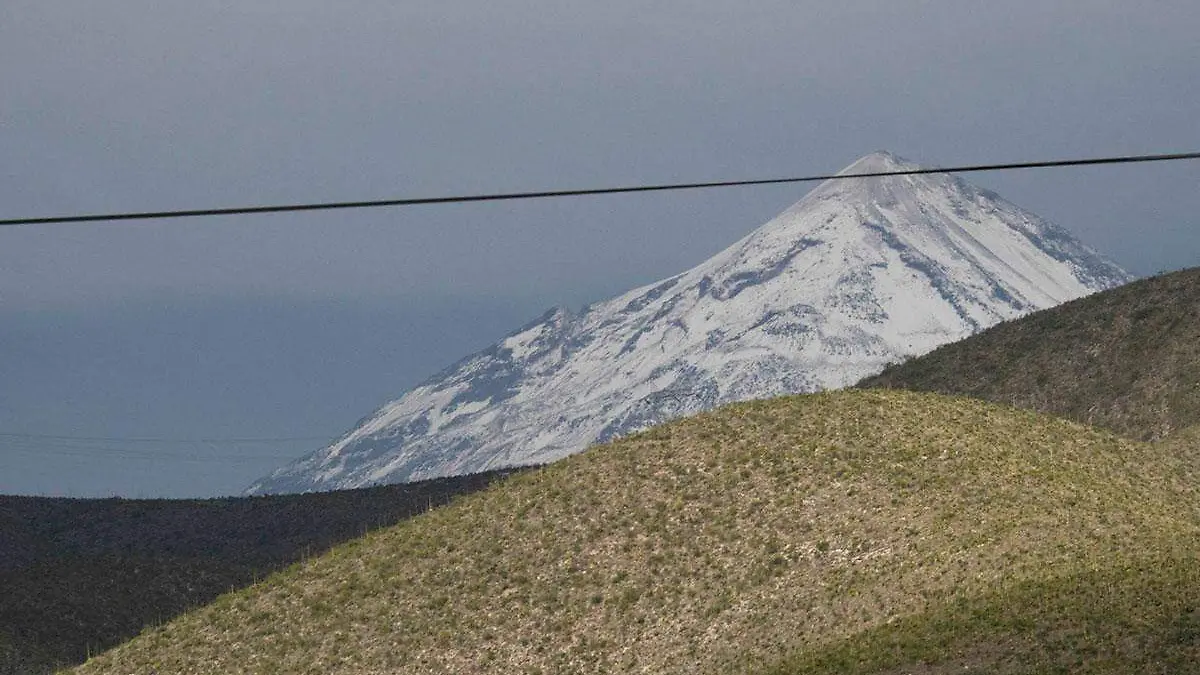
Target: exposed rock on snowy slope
point(857, 274)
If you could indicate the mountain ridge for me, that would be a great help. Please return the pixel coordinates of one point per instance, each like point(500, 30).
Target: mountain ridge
point(857, 274)
point(1127, 360)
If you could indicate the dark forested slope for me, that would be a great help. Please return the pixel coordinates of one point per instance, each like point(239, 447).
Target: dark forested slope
point(79, 575)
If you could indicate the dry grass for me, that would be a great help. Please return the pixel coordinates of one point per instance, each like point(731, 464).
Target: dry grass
point(1127, 360)
point(781, 535)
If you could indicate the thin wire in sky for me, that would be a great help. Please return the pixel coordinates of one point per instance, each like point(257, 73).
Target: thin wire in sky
point(546, 194)
point(148, 448)
point(159, 441)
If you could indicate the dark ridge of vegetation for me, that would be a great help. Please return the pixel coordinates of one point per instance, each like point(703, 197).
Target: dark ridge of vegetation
point(871, 531)
point(80, 575)
point(1127, 359)
point(1094, 621)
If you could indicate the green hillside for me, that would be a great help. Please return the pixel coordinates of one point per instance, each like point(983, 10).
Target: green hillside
point(1127, 359)
point(877, 531)
point(81, 575)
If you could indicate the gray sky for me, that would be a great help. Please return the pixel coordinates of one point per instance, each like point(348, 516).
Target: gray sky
point(313, 319)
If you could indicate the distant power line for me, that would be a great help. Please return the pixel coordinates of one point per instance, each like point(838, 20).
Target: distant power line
point(544, 194)
point(143, 439)
point(125, 453)
point(197, 449)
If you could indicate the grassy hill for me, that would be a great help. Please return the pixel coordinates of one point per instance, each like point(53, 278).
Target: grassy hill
point(877, 531)
point(79, 575)
point(1127, 359)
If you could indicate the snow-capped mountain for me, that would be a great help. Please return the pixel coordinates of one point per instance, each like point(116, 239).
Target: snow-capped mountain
point(859, 273)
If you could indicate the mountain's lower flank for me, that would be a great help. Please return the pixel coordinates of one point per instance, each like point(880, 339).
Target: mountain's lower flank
point(1127, 359)
point(865, 531)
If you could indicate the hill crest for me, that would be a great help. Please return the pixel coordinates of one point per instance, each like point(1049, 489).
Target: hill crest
point(733, 541)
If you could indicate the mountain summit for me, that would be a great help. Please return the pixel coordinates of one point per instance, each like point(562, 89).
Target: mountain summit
point(857, 274)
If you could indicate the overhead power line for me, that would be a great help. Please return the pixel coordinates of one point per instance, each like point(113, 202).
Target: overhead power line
point(545, 194)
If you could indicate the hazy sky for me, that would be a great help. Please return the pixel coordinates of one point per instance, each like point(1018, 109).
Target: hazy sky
point(297, 325)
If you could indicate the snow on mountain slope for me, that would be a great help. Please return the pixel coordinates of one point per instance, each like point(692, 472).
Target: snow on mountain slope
point(857, 274)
